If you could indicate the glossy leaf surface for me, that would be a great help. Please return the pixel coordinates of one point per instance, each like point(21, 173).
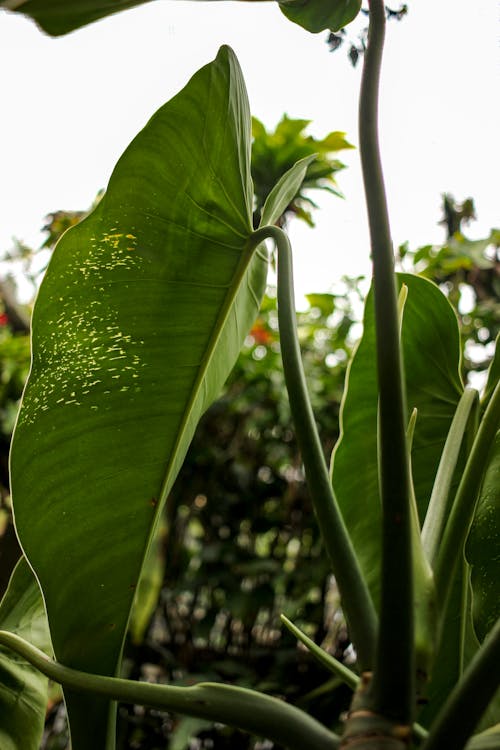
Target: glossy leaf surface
point(23, 689)
point(137, 324)
point(431, 352)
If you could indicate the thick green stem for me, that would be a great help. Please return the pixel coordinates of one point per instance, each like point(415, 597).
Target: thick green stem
point(464, 504)
point(356, 601)
point(466, 704)
point(393, 691)
point(246, 709)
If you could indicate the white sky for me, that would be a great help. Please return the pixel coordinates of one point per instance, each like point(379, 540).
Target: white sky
point(71, 106)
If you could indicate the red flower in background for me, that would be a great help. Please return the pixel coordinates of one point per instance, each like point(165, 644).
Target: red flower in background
point(260, 334)
point(4, 319)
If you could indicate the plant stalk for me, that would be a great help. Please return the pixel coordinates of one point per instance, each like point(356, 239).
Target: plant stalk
point(393, 688)
point(356, 600)
point(238, 707)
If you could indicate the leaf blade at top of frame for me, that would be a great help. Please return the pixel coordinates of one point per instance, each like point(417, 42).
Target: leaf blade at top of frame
point(139, 319)
point(23, 689)
point(318, 15)
point(58, 17)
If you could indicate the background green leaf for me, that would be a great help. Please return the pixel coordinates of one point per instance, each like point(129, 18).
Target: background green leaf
point(23, 689)
point(430, 343)
point(138, 322)
point(185, 729)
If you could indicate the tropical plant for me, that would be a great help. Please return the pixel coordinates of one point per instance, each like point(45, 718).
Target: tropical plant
point(138, 321)
point(240, 543)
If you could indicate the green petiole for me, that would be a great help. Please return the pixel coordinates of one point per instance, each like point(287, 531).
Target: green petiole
point(356, 600)
point(246, 709)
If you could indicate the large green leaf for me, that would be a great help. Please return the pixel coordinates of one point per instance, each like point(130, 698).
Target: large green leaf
point(23, 689)
point(431, 351)
point(58, 17)
point(139, 320)
point(483, 549)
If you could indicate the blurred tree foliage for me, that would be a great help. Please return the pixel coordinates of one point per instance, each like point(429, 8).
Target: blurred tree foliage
point(468, 271)
point(275, 152)
point(239, 542)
